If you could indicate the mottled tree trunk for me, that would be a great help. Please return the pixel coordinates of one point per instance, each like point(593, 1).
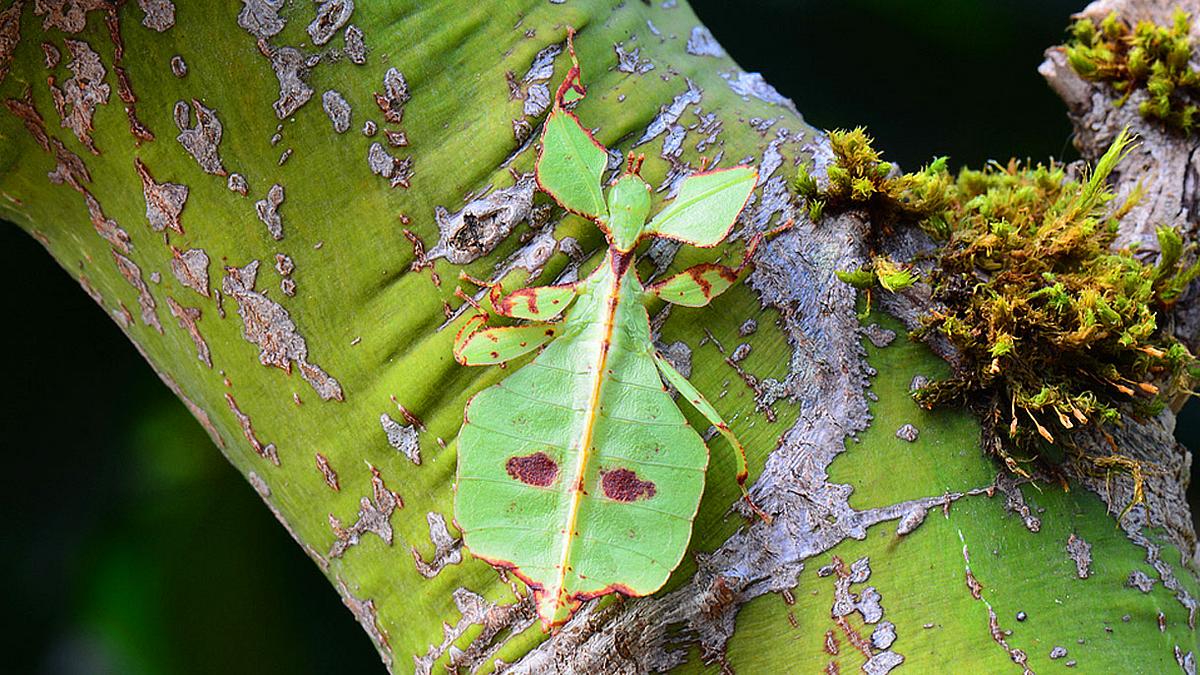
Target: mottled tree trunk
point(275, 204)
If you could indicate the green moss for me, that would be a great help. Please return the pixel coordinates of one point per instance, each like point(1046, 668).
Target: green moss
point(1145, 56)
point(859, 178)
point(1054, 330)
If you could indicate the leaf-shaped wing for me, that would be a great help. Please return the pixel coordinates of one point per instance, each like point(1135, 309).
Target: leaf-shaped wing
point(707, 205)
point(579, 471)
point(570, 164)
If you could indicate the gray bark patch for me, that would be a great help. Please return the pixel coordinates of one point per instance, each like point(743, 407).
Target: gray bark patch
point(483, 223)
point(631, 61)
point(1141, 581)
point(284, 264)
point(879, 336)
point(190, 267)
point(1081, 552)
point(867, 604)
point(291, 68)
point(69, 16)
point(331, 16)
point(374, 516)
point(882, 663)
point(752, 85)
point(202, 140)
point(382, 163)
point(159, 14)
point(395, 137)
point(702, 43)
point(327, 472)
point(1014, 500)
point(337, 109)
point(447, 549)
point(499, 624)
point(76, 100)
point(1186, 660)
point(261, 18)
point(668, 116)
point(164, 201)
point(268, 211)
point(106, 227)
point(908, 433)
point(884, 635)
point(267, 324)
point(740, 352)
point(237, 183)
point(402, 437)
point(356, 48)
point(395, 95)
point(49, 52)
point(1133, 525)
point(178, 66)
point(532, 90)
point(10, 35)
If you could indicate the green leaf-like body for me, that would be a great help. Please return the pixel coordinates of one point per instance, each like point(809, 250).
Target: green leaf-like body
point(578, 470)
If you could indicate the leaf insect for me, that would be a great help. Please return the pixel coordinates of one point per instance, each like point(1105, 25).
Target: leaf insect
point(578, 472)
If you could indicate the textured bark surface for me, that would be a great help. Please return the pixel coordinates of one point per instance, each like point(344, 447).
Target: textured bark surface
point(319, 175)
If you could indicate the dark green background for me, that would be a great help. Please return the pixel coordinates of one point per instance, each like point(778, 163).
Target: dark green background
point(132, 547)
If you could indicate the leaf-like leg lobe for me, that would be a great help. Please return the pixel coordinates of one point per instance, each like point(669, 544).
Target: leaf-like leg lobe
point(477, 346)
point(695, 286)
point(540, 303)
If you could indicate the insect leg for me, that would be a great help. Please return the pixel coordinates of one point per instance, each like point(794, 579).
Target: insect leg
point(697, 286)
point(478, 346)
point(539, 303)
point(686, 390)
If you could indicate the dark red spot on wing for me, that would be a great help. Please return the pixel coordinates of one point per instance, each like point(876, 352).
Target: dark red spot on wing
point(538, 469)
point(623, 485)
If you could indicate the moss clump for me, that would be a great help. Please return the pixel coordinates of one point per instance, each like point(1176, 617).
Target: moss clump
point(1054, 331)
point(1146, 56)
point(859, 178)
point(883, 271)
point(1052, 326)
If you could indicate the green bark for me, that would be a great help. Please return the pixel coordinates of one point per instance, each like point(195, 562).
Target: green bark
point(298, 382)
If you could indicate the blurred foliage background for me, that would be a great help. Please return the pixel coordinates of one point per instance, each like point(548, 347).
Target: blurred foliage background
point(133, 547)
